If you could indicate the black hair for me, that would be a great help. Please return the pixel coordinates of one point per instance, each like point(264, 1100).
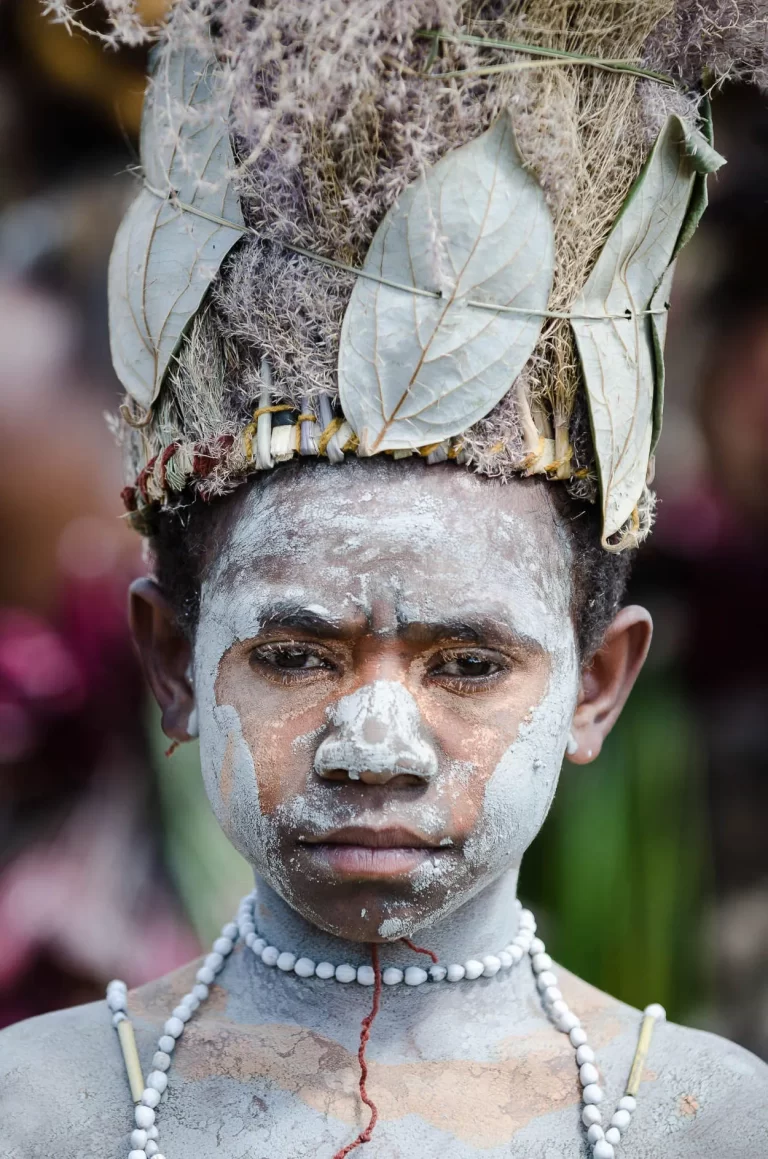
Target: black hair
point(184, 539)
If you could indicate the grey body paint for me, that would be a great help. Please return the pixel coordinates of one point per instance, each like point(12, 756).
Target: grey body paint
point(468, 1071)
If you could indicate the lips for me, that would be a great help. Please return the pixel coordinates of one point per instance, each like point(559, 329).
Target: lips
point(366, 853)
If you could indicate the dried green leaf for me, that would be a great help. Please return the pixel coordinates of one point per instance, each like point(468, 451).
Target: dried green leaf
point(617, 353)
point(164, 258)
point(660, 306)
point(414, 370)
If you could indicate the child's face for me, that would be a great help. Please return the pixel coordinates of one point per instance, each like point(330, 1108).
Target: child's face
point(385, 673)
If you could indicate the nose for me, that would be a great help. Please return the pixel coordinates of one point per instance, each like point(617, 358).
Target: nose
point(378, 735)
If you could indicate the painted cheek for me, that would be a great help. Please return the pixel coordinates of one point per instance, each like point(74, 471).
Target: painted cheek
point(273, 723)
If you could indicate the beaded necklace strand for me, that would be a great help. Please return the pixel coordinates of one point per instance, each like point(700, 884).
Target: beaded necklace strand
point(148, 1094)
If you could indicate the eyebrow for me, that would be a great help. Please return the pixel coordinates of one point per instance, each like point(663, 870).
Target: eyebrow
point(472, 629)
point(289, 616)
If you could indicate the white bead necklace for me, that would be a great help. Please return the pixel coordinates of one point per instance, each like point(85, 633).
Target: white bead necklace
point(148, 1095)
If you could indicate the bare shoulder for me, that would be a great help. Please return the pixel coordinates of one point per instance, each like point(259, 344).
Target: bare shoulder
point(700, 1095)
point(62, 1078)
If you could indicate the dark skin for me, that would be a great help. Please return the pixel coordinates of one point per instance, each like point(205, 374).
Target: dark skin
point(469, 694)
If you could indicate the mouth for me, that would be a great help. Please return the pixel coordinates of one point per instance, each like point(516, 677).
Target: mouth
point(366, 854)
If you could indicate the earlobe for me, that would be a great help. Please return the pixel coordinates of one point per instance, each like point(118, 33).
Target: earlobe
point(165, 654)
point(607, 682)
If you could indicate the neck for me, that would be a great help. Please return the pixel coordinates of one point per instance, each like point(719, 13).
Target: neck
point(483, 925)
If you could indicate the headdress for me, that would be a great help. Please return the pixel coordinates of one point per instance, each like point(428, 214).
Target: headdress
point(426, 227)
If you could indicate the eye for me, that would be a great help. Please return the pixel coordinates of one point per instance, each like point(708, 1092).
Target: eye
point(289, 661)
point(466, 671)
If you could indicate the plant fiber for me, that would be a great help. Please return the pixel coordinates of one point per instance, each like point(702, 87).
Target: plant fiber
point(332, 117)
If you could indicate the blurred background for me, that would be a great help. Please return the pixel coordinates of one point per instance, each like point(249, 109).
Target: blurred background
point(651, 875)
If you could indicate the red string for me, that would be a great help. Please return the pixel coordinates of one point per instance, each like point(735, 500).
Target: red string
point(365, 1034)
point(170, 751)
point(419, 949)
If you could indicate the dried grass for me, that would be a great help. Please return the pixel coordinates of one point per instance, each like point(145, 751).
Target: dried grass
point(331, 122)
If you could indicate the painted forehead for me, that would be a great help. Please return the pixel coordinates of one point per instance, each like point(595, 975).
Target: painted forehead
point(432, 542)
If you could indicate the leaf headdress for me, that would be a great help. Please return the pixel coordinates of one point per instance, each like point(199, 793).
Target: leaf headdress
point(414, 227)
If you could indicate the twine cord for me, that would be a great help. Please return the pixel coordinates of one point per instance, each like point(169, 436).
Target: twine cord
point(439, 295)
point(365, 1034)
point(556, 55)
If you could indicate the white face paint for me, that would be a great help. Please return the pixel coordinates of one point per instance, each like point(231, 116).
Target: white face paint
point(379, 732)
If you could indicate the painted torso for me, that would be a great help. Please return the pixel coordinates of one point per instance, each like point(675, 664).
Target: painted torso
point(268, 1070)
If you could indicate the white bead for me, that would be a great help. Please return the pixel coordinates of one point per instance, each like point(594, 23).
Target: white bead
point(585, 1054)
point(144, 1116)
point(414, 976)
point(191, 1001)
point(200, 991)
point(214, 961)
point(588, 1074)
point(151, 1149)
point(473, 969)
point(603, 1150)
point(366, 975)
point(182, 1012)
point(159, 1156)
point(546, 979)
point(158, 1080)
point(247, 928)
point(269, 955)
point(437, 973)
point(119, 1017)
point(392, 976)
point(152, 1132)
point(455, 973)
point(250, 939)
point(137, 1155)
point(174, 1027)
point(628, 1103)
point(613, 1136)
point(304, 968)
point(559, 1006)
point(223, 946)
point(621, 1119)
point(325, 970)
point(527, 919)
point(516, 953)
point(286, 961)
point(505, 958)
point(150, 1097)
point(578, 1036)
point(567, 1022)
point(523, 940)
point(590, 1115)
point(552, 994)
point(116, 1000)
point(205, 975)
point(117, 984)
point(166, 1043)
point(138, 1139)
point(541, 962)
point(594, 1133)
point(592, 1093)
point(258, 944)
point(345, 973)
point(537, 946)
point(656, 1011)
point(491, 965)
point(229, 931)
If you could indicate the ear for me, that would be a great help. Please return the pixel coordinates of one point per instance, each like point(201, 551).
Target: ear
point(607, 682)
point(165, 656)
